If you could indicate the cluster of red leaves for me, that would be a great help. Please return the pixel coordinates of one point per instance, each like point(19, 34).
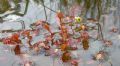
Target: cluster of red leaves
point(6, 41)
point(63, 43)
point(65, 34)
point(14, 39)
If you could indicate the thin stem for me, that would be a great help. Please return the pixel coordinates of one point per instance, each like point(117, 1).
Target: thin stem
point(44, 10)
point(49, 9)
point(23, 24)
point(100, 31)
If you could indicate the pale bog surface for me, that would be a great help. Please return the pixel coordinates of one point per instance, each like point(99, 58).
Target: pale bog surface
point(7, 58)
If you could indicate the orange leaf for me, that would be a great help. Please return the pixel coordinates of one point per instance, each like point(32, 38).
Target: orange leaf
point(15, 37)
point(26, 33)
point(47, 27)
point(60, 15)
point(64, 47)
